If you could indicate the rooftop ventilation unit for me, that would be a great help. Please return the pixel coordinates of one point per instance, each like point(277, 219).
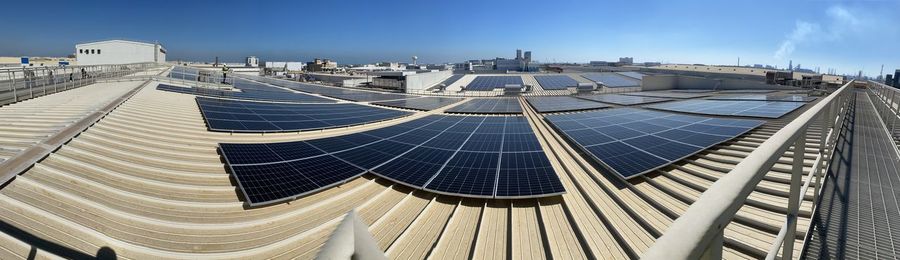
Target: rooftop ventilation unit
point(585, 87)
point(513, 89)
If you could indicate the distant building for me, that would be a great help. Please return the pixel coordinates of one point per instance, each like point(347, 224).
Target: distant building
point(321, 65)
point(284, 65)
point(118, 52)
point(390, 65)
point(599, 63)
point(624, 61)
point(896, 78)
point(409, 81)
point(252, 61)
point(507, 65)
point(889, 80)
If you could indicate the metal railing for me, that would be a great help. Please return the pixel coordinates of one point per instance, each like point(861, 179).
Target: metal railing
point(699, 232)
point(888, 107)
point(206, 78)
point(17, 84)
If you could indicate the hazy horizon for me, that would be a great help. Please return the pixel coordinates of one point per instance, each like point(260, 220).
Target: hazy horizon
point(847, 36)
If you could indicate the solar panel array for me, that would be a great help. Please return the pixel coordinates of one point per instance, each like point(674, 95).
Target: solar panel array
point(339, 93)
point(624, 100)
point(549, 104)
point(248, 91)
point(488, 83)
point(469, 156)
point(631, 74)
point(452, 79)
point(556, 82)
point(488, 106)
point(767, 97)
point(692, 90)
point(258, 117)
point(631, 142)
point(766, 109)
point(334, 92)
point(746, 91)
point(660, 94)
point(423, 103)
point(612, 80)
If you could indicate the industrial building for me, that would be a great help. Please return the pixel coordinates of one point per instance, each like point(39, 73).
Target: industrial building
point(118, 52)
point(147, 161)
point(318, 65)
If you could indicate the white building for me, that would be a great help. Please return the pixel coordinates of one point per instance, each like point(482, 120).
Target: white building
point(289, 65)
point(118, 52)
point(252, 61)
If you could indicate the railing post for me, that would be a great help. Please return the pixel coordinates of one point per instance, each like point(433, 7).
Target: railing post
point(823, 143)
point(714, 250)
point(794, 198)
point(30, 78)
point(891, 102)
point(12, 75)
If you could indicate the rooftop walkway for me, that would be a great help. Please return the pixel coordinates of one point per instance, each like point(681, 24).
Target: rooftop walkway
point(858, 214)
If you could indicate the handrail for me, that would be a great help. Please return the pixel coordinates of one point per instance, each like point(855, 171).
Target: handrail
point(699, 232)
point(17, 84)
point(888, 107)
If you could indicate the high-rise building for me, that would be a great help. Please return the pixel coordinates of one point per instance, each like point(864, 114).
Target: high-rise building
point(896, 78)
point(528, 56)
point(518, 54)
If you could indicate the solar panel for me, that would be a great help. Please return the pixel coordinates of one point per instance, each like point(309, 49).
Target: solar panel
point(257, 117)
point(631, 142)
point(469, 156)
point(747, 91)
point(285, 180)
point(767, 97)
point(556, 82)
point(766, 109)
point(663, 94)
point(692, 90)
point(488, 83)
point(423, 103)
point(624, 100)
point(337, 92)
point(612, 80)
point(549, 104)
point(631, 74)
point(451, 79)
point(248, 91)
point(488, 106)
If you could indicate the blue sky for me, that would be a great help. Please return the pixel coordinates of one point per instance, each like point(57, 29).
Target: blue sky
point(846, 35)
